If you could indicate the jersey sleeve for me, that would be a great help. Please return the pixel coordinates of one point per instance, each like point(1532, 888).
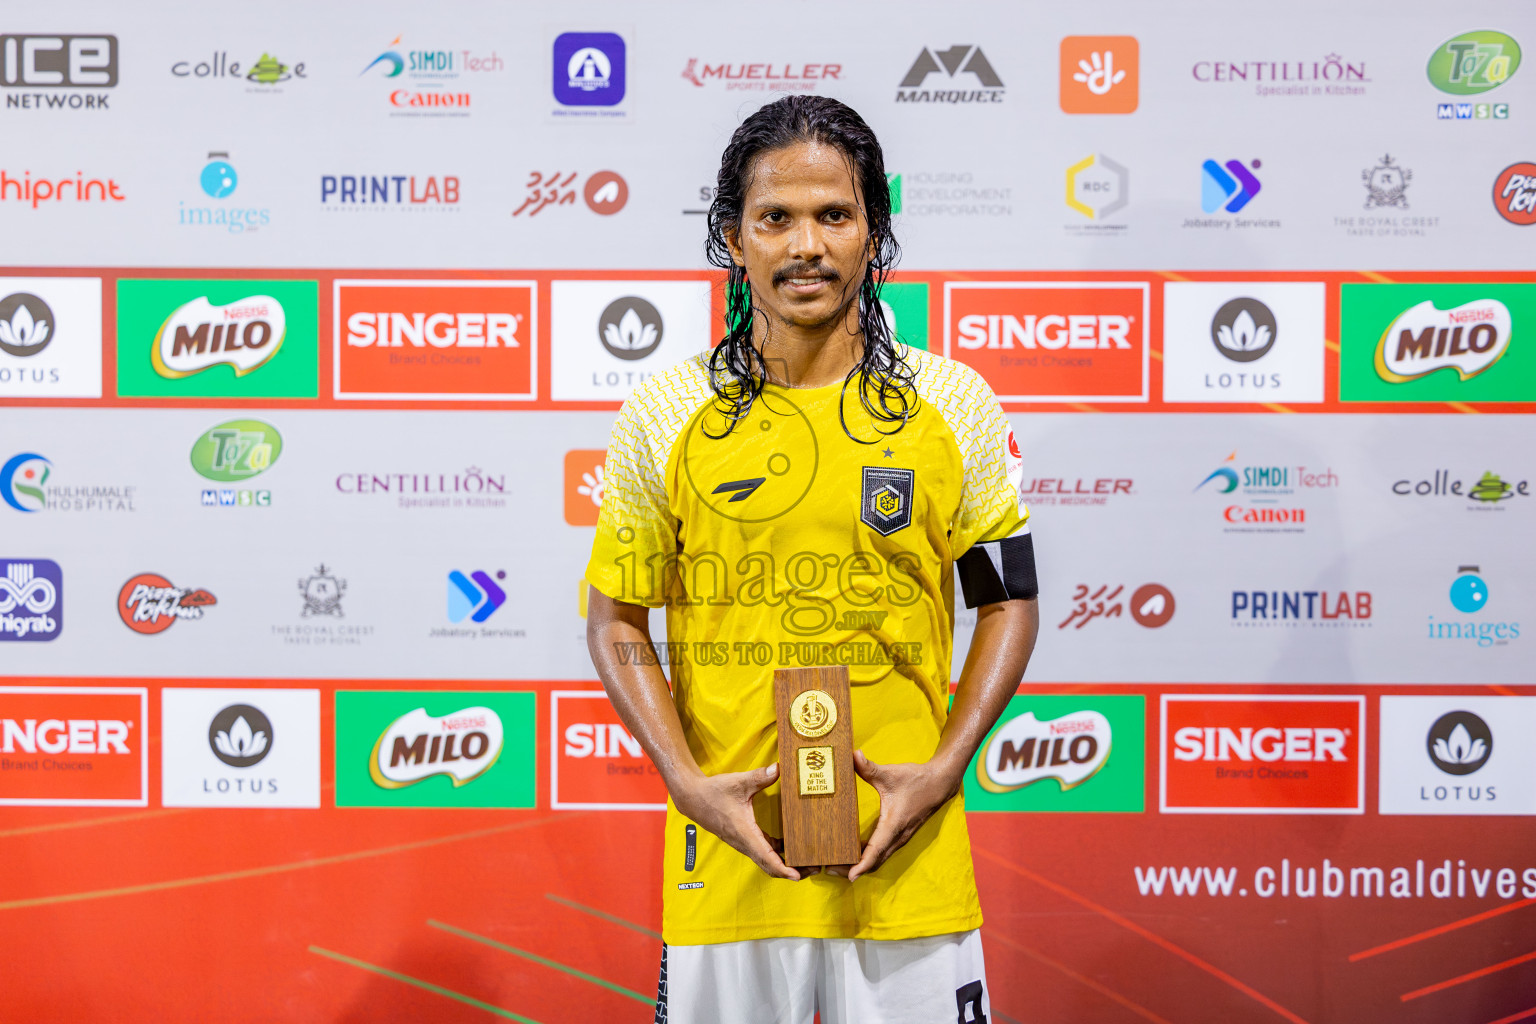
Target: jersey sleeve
point(994, 552)
point(635, 524)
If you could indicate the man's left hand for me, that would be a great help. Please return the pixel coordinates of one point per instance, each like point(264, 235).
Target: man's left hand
point(909, 795)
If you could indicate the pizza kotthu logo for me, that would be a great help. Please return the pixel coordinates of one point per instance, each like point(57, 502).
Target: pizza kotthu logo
point(1514, 196)
point(148, 603)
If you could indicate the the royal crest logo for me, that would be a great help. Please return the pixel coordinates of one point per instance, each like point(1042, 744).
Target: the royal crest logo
point(243, 335)
point(1386, 184)
point(1070, 749)
point(416, 746)
point(1468, 338)
point(148, 603)
point(322, 593)
point(887, 499)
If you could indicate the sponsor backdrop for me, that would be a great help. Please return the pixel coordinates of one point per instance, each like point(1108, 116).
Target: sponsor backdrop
point(312, 328)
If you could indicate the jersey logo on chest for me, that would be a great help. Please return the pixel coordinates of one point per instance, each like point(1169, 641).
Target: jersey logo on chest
point(886, 502)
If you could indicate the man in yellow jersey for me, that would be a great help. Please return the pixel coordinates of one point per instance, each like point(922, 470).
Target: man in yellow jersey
point(802, 496)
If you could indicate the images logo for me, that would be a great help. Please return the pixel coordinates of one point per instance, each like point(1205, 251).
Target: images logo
point(476, 596)
point(1262, 755)
point(1052, 342)
point(435, 340)
point(31, 599)
point(434, 749)
point(56, 62)
point(1469, 595)
point(1514, 193)
point(148, 603)
point(595, 764)
point(1063, 753)
point(589, 69)
point(218, 178)
point(1439, 755)
point(1097, 187)
point(964, 58)
point(583, 485)
point(218, 181)
point(1099, 74)
point(1230, 187)
point(74, 746)
point(1473, 62)
point(237, 450)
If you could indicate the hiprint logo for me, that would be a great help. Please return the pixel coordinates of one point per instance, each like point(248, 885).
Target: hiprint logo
point(1229, 341)
point(74, 746)
point(1514, 193)
point(55, 72)
point(595, 764)
point(1258, 497)
point(1052, 342)
point(1262, 755)
point(31, 599)
point(1099, 74)
point(980, 83)
point(1469, 338)
point(148, 603)
point(79, 189)
point(435, 340)
point(1469, 596)
point(1462, 754)
point(583, 485)
point(1063, 753)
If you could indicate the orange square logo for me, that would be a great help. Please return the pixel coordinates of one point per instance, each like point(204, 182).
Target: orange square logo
point(1099, 74)
point(595, 763)
point(435, 340)
point(583, 485)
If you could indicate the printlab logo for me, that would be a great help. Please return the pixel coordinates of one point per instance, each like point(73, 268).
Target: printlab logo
point(218, 180)
point(1459, 743)
point(1294, 609)
point(263, 76)
point(1151, 605)
point(1099, 74)
point(1096, 188)
point(430, 193)
point(766, 77)
point(1486, 493)
point(1469, 65)
point(54, 63)
point(1514, 193)
point(322, 593)
point(589, 69)
point(630, 328)
point(31, 599)
point(1089, 746)
point(1469, 596)
point(149, 604)
point(963, 59)
point(605, 192)
point(1267, 491)
point(475, 597)
point(583, 486)
point(240, 736)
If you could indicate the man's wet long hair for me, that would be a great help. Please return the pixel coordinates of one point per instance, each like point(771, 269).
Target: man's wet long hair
point(737, 369)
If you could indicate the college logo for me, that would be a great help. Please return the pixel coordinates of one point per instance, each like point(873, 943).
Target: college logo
point(595, 764)
point(148, 603)
point(589, 69)
point(760, 77)
point(583, 485)
point(1097, 187)
point(74, 746)
point(31, 599)
point(1457, 755)
point(1243, 342)
point(52, 62)
point(217, 338)
point(434, 749)
point(267, 71)
point(963, 59)
point(239, 748)
point(237, 450)
point(1099, 74)
point(1051, 342)
point(1514, 193)
point(1473, 62)
point(886, 505)
point(322, 594)
point(475, 597)
point(1228, 187)
point(1486, 492)
point(608, 337)
point(1262, 755)
point(1469, 596)
point(1151, 605)
point(435, 340)
point(1063, 753)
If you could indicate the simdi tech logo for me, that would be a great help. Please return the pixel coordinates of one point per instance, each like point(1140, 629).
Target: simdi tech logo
point(435, 340)
point(1253, 754)
point(57, 72)
point(1059, 341)
point(74, 746)
point(437, 748)
point(1100, 74)
point(1472, 64)
point(1261, 497)
point(50, 337)
point(31, 599)
point(1437, 343)
point(1260, 341)
point(1084, 752)
point(595, 764)
point(148, 603)
point(424, 82)
point(1465, 754)
point(239, 747)
point(217, 338)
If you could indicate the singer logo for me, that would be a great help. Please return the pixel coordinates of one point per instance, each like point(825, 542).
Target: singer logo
point(416, 746)
point(73, 745)
point(595, 764)
point(242, 335)
point(1468, 338)
point(456, 340)
point(1051, 342)
point(1263, 755)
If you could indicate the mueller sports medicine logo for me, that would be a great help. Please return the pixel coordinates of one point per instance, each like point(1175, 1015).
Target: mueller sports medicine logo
point(148, 603)
point(62, 746)
point(1468, 338)
point(1051, 342)
point(242, 335)
point(1070, 749)
point(1457, 755)
point(1262, 755)
point(1262, 498)
point(416, 746)
point(965, 76)
point(52, 64)
point(595, 764)
point(1078, 491)
point(760, 77)
point(31, 599)
point(435, 340)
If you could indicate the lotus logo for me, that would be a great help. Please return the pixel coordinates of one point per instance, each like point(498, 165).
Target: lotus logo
point(417, 746)
point(1244, 330)
point(1469, 339)
point(26, 324)
point(240, 736)
point(1070, 749)
point(1459, 743)
point(243, 335)
point(630, 328)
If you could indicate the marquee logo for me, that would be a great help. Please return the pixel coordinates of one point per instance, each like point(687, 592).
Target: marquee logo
point(1514, 193)
point(31, 599)
point(416, 746)
point(237, 450)
point(1070, 749)
point(148, 603)
point(1254, 754)
point(74, 746)
point(1468, 338)
point(963, 59)
point(243, 335)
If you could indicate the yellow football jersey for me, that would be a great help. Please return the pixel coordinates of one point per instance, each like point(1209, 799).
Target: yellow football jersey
point(783, 542)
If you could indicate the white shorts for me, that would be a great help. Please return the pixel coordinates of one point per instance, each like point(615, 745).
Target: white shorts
point(933, 980)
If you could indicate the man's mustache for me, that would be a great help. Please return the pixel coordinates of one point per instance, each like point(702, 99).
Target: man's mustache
point(805, 270)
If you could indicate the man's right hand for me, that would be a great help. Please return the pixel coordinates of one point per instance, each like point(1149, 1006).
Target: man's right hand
point(722, 804)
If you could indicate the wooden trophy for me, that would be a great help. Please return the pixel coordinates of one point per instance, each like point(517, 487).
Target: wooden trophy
point(817, 798)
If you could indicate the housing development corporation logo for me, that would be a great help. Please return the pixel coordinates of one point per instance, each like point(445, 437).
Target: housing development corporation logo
point(1099, 74)
point(1260, 498)
point(1262, 755)
point(595, 764)
point(57, 72)
point(31, 599)
point(1514, 193)
point(963, 68)
point(240, 748)
point(1457, 755)
point(74, 746)
point(1064, 753)
point(1471, 64)
point(148, 603)
point(1260, 341)
point(1469, 597)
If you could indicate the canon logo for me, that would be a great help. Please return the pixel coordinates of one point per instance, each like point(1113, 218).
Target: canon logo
point(1220, 743)
point(440, 330)
point(1051, 332)
point(64, 736)
point(600, 739)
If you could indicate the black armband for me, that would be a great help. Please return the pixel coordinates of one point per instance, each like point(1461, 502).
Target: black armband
point(999, 570)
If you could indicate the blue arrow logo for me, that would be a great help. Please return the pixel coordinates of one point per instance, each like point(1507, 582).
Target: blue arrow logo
point(1220, 188)
point(475, 596)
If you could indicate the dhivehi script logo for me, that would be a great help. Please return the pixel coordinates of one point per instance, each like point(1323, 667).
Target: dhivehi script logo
point(243, 335)
point(463, 746)
point(1468, 339)
point(1070, 749)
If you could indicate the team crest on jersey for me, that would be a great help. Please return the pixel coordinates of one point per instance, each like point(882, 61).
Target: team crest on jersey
point(887, 500)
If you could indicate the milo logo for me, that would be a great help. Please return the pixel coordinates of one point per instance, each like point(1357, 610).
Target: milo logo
point(237, 450)
point(1468, 339)
point(1070, 749)
point(416, 746)
point(1473, 62)
point(198, 335)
